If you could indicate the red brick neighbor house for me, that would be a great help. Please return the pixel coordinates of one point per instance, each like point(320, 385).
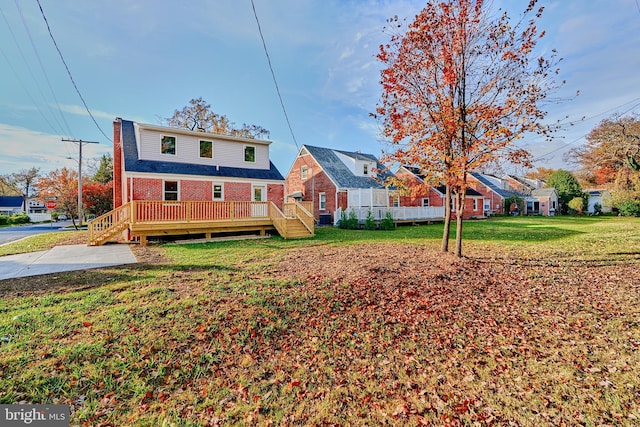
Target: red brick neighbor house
point(424, 195)
point(159, 163)
point(336, 179)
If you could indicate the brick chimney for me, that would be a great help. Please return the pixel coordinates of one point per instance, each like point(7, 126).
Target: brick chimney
point(118, 159)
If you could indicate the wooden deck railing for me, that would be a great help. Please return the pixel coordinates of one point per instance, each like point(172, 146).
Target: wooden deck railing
point(305, 216)
point(105, 226)
point(173, 211)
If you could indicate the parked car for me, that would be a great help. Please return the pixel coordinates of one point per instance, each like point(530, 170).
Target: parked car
point(62, 217)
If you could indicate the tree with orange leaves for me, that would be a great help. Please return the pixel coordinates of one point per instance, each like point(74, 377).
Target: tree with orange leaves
point(459, 87)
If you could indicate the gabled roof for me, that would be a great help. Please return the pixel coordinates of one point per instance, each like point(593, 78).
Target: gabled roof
point(492, 183)
point(340, 174)
point(544, 192)
point(470, 191)
point(133, 164)
point(11, 201)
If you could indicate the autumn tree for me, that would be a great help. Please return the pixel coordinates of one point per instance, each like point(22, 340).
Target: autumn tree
point(98, 197)
point(567, 186)
point(459, 87)
point(541, 173)
point(198, 116)
point(61, 184)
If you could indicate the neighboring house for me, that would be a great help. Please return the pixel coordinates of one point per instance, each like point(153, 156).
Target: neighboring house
point(159, 163)
point(424, 195)
point(543, 201)
point(493, 190)
point(602, 197)
point(10, 205)
point(336, 179)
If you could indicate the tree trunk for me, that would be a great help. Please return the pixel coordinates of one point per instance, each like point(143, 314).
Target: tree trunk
point(460, 201)
point(447, 220)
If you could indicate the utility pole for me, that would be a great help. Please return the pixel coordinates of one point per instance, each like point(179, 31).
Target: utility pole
point(80, 204)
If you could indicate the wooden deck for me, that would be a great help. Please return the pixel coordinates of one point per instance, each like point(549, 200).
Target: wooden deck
point(145, 219)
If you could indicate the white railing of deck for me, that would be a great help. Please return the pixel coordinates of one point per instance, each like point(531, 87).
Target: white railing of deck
point(406, 213)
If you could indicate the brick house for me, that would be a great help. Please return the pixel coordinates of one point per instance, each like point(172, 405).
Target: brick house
point(159, 163)
point(336, 179)
point(494, 191)
point(423, 194)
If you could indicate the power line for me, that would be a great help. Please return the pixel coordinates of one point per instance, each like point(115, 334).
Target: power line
point(275, 82)
point(60, 128)
point(44, 71)
point(69, 73)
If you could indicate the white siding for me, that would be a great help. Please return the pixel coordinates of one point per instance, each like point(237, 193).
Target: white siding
point(225, 152)
point(356, 166)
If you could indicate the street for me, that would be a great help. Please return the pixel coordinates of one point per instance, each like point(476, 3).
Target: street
point(10, 234)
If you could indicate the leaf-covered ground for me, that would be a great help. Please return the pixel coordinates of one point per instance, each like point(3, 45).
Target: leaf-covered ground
point(322, 334)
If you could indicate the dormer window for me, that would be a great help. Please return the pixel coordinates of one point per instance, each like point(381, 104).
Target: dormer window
point(250, 154)
point(168, 145)
point(365, 170)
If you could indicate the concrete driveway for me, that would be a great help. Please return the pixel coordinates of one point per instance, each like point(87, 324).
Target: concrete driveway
point(65, 258)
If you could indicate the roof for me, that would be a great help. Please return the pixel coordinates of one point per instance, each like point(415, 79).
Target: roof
point(340, 174)
point(470, 191)
point(11, 201)
point(133, 164)
point(491, 183)
point(543, 192)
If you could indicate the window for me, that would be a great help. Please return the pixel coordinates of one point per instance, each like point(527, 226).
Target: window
point(365, 169)
point(425, 202)
point(487, 204)
point(396, 202)
point(171, 190)
point(217, 192)
point(304, 172)
point(168, 145)
point(322, 201)
point(206, 149)
point(475, 204)
point(250, 154)
point(258, 194)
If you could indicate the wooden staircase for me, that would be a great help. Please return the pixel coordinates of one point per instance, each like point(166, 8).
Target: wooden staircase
point(108, 226)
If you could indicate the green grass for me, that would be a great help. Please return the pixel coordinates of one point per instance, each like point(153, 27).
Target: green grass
point(537, 326)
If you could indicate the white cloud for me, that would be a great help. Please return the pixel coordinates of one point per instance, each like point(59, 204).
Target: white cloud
point(22, 148)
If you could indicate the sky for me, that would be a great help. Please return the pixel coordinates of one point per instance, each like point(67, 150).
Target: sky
point(141, 60)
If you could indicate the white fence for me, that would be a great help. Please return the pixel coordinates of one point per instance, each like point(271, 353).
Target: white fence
point(39, 217)
point(368, 197)
point(407, 213)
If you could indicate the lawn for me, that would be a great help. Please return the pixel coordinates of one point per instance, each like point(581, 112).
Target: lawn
point(538, 325)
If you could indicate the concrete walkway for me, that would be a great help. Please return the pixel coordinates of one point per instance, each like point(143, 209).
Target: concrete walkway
point(64, 258)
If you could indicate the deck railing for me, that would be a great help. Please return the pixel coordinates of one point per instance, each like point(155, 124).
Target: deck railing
point(190, 211)
point(106, 224)
point(407, 213)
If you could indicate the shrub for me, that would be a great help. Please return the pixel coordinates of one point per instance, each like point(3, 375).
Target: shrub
point(387, 222)
point(348, 221)
point(21, 218)
point(629, 208)
point(370, 223)
point(4, 220)
point(597, 209)
point(576, 205)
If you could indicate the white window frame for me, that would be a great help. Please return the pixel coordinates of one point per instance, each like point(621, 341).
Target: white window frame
point(263, 193)
point(175, 145)
point(322, 201)
point(200, 149)
point(426, 202)
point(396, 202)
point(365, 169)
point(475, 204)
point(164, 190)
point(304, 172)
point(486, 204)
point(244, 153)
point(213, 191)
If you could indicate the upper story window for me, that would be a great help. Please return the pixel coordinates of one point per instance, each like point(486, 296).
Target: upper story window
point(206, 149)
point(168, 145)
point(249, 153)
point(304, 172)
point(365, 169)
point(425, 202)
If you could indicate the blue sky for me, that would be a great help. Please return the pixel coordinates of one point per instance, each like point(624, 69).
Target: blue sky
point(141, 60)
